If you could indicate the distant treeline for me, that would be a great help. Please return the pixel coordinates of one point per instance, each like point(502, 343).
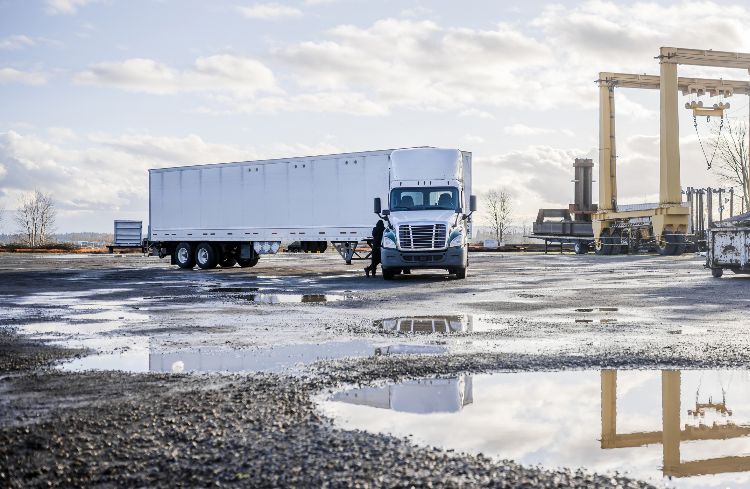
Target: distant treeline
point(70, 238)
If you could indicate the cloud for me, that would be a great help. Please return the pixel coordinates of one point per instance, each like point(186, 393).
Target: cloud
point(519, 129)
point(269, 11)
point(65, 7)
point(626, 36)
point(215, 74)
point(12, 43)
point(11, 75)
point(472, 138)
point(413, 64)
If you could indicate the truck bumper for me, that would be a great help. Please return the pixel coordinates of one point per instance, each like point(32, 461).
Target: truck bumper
point(450, 258)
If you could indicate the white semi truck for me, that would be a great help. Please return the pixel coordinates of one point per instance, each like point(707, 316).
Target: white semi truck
point(232, 213)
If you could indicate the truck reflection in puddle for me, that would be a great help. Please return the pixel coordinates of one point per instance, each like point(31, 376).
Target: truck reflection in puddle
point(460, 323)
point(414, 396)
point(275, 359)
point(687, 428)
point(295, 298)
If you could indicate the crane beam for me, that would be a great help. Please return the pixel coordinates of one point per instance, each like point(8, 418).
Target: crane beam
point(704, 57)
point(631, 80)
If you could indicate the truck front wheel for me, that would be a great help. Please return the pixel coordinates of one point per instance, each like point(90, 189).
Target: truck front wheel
point(205, 256)
point(388, 274)
point(183, 256)
point(460, 272)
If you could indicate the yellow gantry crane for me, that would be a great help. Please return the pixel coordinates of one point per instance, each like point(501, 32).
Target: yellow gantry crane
point(619, 228)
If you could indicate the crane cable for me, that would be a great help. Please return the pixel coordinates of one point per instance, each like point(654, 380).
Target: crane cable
point(700, 141)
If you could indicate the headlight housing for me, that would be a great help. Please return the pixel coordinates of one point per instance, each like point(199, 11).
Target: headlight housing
point(389, 240)
point(456, 238)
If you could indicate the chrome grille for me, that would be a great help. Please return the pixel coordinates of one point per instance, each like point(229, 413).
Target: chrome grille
point(421, 237)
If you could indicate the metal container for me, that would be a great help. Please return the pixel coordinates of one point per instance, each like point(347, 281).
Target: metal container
point(729, 246)
point(128, 233)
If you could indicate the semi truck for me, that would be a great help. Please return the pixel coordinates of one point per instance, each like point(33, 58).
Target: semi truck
point(226, 214)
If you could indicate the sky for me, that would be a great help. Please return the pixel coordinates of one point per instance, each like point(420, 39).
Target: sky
point(93, 93)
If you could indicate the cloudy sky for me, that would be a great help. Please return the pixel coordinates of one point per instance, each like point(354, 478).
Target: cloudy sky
point(95, 92)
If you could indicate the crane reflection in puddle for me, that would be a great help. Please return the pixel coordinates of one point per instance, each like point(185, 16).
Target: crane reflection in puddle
point(672, 434)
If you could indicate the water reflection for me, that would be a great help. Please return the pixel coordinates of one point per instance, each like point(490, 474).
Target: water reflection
point(687, 428)
point(461, 323)
point(672, 434)
point(295, 298)
point(126, 354)
point(414, 396)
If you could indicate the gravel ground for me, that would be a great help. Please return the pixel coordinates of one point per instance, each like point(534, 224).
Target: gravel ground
point(262, 430)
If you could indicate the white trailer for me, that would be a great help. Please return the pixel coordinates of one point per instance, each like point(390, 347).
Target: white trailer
point(228, 213)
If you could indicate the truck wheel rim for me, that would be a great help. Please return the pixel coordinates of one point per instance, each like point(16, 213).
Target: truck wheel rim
point(182, 255)
point(203, 256)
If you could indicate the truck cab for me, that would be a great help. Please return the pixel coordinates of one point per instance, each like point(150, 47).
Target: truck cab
point(427, 223)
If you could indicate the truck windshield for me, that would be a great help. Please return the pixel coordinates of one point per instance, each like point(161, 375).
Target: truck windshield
point(424, 198)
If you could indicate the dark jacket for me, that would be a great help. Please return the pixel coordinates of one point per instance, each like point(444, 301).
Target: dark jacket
point(377, 235)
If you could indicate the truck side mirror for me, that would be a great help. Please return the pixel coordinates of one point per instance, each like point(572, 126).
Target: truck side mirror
point(377, 205)
point(472, 203)
point(386, 213)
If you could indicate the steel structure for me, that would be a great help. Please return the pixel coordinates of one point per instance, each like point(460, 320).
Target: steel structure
point(617, 228)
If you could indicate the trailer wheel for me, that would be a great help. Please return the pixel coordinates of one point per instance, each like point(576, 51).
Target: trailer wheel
point(717, 272)
point(581, 248)
point(227, 261)
point(388, 274)
point(205, 256)
point(183, 256)
point(248, 262)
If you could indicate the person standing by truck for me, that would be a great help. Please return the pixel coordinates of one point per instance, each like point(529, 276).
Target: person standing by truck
point(377, 240)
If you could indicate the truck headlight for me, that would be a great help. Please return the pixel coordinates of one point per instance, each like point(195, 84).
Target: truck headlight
point(389, 241)
point(456, 239)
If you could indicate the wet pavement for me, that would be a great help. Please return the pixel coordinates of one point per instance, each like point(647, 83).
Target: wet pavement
point(485, 352)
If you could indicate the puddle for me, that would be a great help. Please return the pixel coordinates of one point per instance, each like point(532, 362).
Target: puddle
point(296, 298)
point(461, 323)
point(673, 428)
point(136, 356)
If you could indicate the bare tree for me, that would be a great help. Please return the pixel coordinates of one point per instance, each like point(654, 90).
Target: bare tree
point(35, 217)
point(732, 157)
point(499, 205)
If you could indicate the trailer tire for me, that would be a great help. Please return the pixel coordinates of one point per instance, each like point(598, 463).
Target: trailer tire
point(388, 274)
point(227, 261)
point(206, 256)
point(183, 256)
point(248, 262)
point(717, 272)
point(581, 248)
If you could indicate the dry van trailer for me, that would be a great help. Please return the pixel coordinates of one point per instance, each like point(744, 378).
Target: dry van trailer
point(227, 213)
